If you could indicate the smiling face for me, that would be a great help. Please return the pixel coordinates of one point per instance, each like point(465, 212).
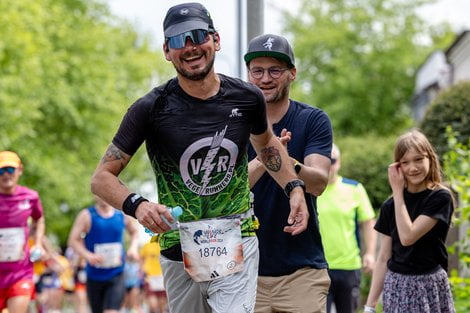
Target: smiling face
point(418, 161)
point(274, 89)
point(415, 167)
point(194, 61)
point(8, 182)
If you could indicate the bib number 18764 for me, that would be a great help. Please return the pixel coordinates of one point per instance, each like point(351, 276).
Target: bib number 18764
point(212, 251)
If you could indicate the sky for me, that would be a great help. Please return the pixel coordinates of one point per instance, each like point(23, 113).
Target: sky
point(148, 15)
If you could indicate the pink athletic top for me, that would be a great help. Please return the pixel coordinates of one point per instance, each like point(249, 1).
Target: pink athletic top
point(15, 210)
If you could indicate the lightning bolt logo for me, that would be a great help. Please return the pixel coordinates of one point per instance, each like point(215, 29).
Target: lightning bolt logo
point(208, 165)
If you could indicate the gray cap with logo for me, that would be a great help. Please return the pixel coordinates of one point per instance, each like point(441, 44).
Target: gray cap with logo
point(185, 17)
point(270, 45)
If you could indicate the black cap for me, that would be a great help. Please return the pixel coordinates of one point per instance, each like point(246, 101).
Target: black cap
point(186, 17)
point(270, 46)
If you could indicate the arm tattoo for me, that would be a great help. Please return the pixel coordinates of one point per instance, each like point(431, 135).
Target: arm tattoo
point(271, 159)
point(112, 154)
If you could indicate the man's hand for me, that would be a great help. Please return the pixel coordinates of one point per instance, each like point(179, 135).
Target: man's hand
point(298, 217)
point(285, 137)
point(149, 215)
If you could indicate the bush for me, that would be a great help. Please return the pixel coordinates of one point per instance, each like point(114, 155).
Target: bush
point(366, 160)
point(456, 169)
point(450, 108)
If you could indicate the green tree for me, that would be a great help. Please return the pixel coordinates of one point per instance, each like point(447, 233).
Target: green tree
point(357, 59)
point(450, 108)
point(68, 72)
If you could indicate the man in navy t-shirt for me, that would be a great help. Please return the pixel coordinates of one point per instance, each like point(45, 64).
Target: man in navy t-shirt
point(292, 270)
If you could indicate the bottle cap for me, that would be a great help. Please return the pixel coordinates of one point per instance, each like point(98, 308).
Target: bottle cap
point(176, 211)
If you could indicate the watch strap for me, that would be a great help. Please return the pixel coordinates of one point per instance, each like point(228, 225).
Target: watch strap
point(293, 184)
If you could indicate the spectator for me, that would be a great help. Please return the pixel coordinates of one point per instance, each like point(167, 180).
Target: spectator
point(342, 208)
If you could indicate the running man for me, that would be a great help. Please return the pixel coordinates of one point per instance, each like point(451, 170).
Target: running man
point(196, 128)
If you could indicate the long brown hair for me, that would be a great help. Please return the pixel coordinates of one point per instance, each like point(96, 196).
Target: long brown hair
point(415, 139)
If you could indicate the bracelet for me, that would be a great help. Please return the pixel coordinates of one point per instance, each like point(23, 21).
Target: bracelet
point(369, 309)
point(131, 203)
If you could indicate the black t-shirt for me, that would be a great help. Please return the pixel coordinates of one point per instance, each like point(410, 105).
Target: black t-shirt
point(197, 148)
point(427, 253)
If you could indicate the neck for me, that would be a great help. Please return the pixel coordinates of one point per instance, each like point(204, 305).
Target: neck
point(203, 89)
point(105, 210)
point(277, 110)
point(8, 190)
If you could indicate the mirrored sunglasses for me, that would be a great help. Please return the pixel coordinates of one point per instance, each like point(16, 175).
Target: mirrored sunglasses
point(197, 36)
point(8, 169)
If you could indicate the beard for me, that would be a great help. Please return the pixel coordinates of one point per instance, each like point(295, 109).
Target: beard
point(279, 95)
point(197, 75)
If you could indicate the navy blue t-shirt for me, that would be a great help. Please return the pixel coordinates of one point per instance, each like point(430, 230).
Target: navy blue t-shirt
point(280, 252)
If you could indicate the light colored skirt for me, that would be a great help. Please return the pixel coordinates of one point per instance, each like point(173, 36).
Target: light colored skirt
point(427, 293)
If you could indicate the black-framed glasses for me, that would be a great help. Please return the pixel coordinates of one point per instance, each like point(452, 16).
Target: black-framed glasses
point(275, 72)
point(197, 36)
point(7, 169)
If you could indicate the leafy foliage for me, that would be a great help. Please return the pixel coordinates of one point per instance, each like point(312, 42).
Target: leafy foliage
point(366, 160)
point(68, 71)
point(450, 108)
point(456, 168)
point(357, 59)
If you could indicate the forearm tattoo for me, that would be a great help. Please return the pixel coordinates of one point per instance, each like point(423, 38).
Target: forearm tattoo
point(114, 154)
point(271, 159)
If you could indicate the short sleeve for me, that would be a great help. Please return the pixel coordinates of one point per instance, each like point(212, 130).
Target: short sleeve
point(440, 206)
point(320, 135)
point(133, 129)
point(260, 122)
point(384, 222)
point(365, 210)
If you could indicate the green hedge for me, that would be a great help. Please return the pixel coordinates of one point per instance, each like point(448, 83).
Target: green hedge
point(366, 160)
point(450, 108)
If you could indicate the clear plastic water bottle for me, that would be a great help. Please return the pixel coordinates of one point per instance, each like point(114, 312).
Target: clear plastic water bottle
point(175, 213)
point(35, 254)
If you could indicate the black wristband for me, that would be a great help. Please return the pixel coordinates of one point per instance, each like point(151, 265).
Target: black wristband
point(131, 203)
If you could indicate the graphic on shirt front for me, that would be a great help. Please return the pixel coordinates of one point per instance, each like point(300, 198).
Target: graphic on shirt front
point(208, 164)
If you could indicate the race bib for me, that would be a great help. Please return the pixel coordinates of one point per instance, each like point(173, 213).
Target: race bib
point(12, 243)
point(156, 283)
point(111, 254)
point(212, 248)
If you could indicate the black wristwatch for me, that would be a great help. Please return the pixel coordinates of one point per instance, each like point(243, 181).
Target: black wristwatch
point(293, 184)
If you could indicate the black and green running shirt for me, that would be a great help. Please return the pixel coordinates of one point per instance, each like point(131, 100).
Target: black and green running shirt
point(197, 148)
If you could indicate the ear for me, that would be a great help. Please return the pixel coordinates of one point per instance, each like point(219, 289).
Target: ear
point(216, 39)
point(166, 51)
point(292, 73)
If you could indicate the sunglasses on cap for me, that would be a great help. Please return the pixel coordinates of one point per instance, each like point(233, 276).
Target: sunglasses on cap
point(197, 36)
point(8, 169)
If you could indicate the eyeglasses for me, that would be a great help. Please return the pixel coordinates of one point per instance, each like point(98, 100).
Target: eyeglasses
point(8, 169)
point(197, 36)
point(275, 72)
point(333, 161)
